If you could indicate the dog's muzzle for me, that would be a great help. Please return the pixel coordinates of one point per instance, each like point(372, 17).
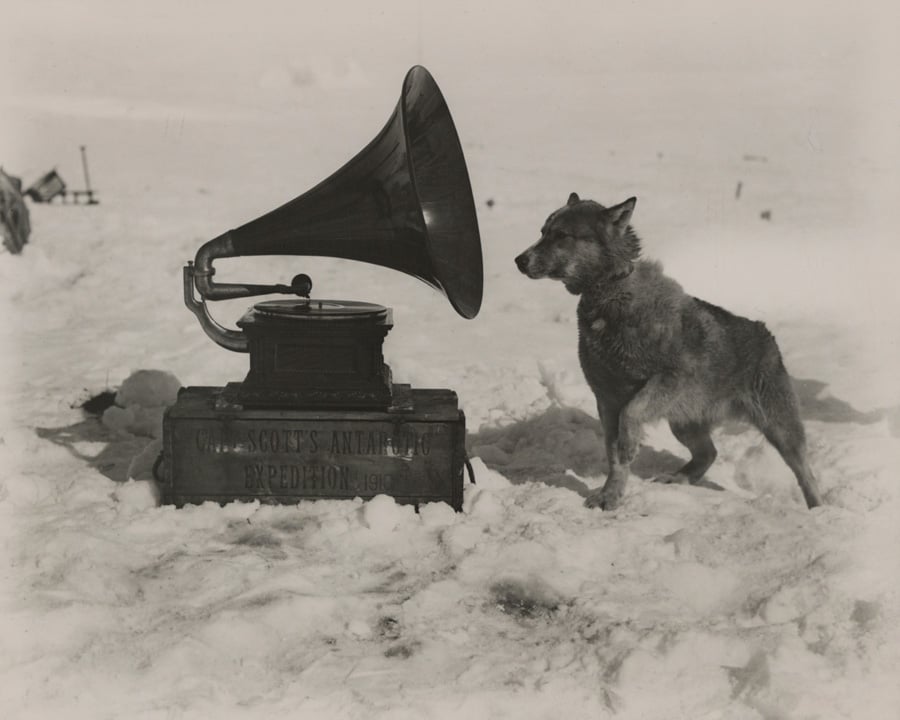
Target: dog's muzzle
point(522, 262)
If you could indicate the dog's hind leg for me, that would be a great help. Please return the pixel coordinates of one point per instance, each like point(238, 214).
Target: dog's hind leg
point(610, 495)
point(777, 416)
point(696, 438)
point(786, 435)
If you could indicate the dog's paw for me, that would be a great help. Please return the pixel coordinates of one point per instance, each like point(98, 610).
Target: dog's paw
point(603, 499)
point(594, 499)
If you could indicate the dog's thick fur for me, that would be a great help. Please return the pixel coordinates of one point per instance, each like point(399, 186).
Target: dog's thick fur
point(650, 351)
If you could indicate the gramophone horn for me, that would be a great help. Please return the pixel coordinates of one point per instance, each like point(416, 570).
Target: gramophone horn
point(403, 202)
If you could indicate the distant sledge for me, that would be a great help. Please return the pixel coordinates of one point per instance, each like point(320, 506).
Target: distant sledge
point(51, 185)
point(47, 187)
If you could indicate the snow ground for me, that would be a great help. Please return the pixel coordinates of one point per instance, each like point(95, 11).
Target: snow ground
point(684, 603)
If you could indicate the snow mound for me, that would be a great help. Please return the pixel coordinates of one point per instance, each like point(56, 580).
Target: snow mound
point(383, 515)
point(137, 495)
point(148, 389)
point(141, 402)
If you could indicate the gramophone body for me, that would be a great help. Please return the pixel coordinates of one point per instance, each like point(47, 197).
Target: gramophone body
point(215, 451)
point(318, 414)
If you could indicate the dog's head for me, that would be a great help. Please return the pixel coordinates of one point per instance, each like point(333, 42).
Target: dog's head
point(583, 242)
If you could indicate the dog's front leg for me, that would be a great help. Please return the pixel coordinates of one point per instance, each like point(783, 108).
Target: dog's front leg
point(649, 403)
point(622, 428)
point(609, 496)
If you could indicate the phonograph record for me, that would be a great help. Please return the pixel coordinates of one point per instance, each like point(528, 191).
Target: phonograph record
point(319, 414)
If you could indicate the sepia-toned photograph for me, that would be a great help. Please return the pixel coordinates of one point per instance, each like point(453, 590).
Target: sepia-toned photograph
point(443, 360)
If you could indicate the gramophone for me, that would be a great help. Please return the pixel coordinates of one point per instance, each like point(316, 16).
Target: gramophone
point(318, 414)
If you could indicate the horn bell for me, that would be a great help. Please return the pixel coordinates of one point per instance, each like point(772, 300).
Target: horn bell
point(403, 202)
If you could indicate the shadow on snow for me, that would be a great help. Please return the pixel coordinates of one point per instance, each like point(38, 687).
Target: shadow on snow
point(543, 448)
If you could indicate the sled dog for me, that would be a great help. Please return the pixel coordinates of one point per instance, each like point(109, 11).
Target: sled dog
point(650, 351)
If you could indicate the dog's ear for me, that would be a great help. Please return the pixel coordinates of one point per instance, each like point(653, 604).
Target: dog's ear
point(573, 198)
point(620, 215)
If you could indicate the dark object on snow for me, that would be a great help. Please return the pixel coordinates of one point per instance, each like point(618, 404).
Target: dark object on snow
point(766, 215)
point(98, 404)
point(51, 186)
point(15, 222)
point(47, 187)
point(87, 192)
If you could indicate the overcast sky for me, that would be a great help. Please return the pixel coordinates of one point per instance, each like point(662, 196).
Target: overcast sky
point(178, 48)
point(830, 63)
